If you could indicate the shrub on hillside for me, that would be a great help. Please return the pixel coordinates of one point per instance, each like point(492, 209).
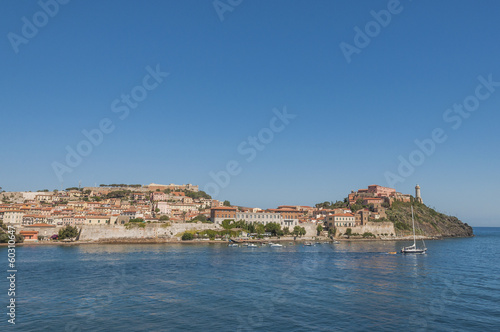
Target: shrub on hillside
point(187, 236)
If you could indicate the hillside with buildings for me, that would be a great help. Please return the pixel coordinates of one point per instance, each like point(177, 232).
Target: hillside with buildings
point(155, 209)
point(378, 204)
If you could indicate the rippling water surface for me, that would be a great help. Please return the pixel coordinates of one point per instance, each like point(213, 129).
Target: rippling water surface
point(348, 286)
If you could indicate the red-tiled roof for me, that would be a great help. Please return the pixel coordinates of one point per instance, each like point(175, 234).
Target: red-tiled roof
point(342, 215)
point(285, 210)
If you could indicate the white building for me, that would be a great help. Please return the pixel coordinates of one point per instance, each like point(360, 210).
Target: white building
point(47, 197)
point(185, 207)
point(97, 220)
point(13, 217)
point(164, 208)
point(340, 220)
point(265, 218)
point(29, 196)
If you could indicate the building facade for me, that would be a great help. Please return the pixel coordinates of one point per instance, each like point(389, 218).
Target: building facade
point(218, 214)
point(381, 191)
point(13, 217)
point(340, 220)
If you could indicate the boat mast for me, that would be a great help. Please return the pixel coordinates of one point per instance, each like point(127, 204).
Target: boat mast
point(413, 220)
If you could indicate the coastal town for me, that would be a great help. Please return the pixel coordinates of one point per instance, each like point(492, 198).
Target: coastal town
point(40, 216)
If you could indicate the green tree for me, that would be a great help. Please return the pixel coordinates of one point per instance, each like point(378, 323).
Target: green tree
point(197, 194)
point(226, 203)
point(324, 205)
point(348, 232)
point(164, 218)
point(340, 204)
point(123, 194)
point(250, 227)
point(68, 232)
point(200, 217)
point(273, 228)
point(296, 230)
point(226, 223)
point(260, 229)
point(210, 233)
point(331, 205)
point(5, 236)
point(136, 220)
point(319, 229)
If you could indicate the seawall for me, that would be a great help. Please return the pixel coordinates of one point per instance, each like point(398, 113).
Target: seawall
point(150, 231)
point(376, 228)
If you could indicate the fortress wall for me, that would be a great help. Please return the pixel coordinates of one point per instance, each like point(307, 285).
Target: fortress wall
point(376, 228)
point(151, 231)
point(310, 229)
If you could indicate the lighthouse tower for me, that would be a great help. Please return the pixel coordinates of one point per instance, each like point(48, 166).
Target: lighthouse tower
point(417, 194)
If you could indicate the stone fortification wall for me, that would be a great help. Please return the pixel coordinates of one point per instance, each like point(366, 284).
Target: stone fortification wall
point(310, 229)
point(376, 228)
point(151, 231)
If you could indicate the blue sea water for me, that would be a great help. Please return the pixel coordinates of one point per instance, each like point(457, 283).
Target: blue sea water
point(350, 286)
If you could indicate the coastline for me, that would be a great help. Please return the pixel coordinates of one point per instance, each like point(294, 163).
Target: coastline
point(225, 242)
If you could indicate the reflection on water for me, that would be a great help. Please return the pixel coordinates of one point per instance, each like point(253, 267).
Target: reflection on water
point(351, 285)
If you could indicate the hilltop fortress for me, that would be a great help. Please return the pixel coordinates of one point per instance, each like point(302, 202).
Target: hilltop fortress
point(375, 192)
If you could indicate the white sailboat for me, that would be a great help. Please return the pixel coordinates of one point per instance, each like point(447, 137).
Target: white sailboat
point(413, 248)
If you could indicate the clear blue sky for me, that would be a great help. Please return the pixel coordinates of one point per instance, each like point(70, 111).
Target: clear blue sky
point(352, 120)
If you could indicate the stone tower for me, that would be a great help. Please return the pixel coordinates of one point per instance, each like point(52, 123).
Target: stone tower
point(417, 194)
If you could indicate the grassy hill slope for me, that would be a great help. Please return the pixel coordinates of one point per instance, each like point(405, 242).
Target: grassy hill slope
point(428, 222)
